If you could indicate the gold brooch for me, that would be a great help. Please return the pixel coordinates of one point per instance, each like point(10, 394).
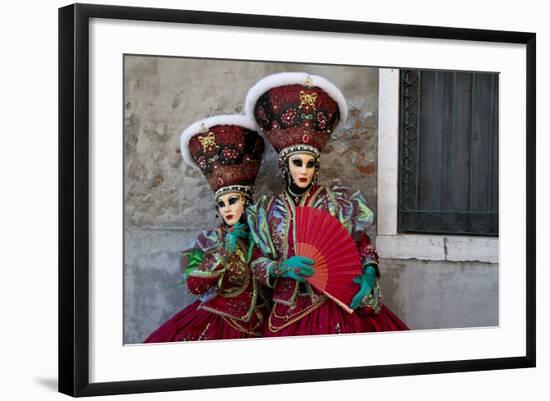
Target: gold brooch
point(207, 141)
point(307, 99)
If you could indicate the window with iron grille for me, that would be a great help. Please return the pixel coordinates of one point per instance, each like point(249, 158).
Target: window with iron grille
point(448, 153)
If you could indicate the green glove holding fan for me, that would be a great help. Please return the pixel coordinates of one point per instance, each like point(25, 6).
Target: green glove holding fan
point(366, 281)
point(295, 267)
point(299, 268)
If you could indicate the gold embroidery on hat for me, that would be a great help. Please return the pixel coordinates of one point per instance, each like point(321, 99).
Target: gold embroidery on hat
point(307, 99)
point(207, 141)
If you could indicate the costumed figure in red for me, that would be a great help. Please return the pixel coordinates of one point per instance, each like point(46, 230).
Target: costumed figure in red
point(297, 114)
point(228, 151)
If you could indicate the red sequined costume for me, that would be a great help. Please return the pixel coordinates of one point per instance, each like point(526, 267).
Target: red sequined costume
point(236, 307)
point(297, 113)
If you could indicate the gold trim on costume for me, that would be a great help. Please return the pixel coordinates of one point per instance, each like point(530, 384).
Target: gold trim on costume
point(250, 311)
point(235, 325)
point(290, 319)
point(206, 274)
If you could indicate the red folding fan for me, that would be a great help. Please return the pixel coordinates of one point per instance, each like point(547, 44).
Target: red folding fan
point(321, 237)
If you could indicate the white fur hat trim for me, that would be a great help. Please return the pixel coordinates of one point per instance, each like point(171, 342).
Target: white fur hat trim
point(239, 120)
point(292, 78)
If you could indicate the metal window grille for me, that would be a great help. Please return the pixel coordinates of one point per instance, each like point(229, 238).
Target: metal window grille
point(448, 153)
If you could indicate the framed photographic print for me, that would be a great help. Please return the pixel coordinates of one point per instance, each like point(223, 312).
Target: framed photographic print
point(244, 185)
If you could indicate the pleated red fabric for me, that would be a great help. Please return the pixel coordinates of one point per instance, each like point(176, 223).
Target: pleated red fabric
point(193, 324)
point(329, 318)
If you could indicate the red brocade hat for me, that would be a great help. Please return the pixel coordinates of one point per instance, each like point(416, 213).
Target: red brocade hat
point(297, 111)
point(228, 151)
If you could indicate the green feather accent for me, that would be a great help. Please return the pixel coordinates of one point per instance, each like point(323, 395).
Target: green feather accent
point(194, 259)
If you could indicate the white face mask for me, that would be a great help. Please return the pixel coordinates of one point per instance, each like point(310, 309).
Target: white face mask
point(302, 169)
point(231, 207)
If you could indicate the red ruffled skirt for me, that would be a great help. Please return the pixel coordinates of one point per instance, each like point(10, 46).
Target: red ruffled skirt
point(329, 318)
point(193, 324)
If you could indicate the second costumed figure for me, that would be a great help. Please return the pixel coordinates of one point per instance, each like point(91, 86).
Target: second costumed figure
point(228, 151)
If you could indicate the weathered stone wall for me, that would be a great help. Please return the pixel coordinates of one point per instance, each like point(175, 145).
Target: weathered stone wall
point(166, 202)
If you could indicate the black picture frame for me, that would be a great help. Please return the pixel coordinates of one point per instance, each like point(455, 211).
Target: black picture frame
point(74, 194)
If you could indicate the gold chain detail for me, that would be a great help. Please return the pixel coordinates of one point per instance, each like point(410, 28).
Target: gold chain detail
point(241, 329)
point(298, 315)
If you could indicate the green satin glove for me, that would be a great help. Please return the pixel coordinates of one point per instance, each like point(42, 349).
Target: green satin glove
point(295, 267)
point(239, 230)
point(366, 281)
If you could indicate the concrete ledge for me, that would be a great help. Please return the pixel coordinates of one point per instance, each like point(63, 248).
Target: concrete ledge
point(480, 249)
point(438, 247)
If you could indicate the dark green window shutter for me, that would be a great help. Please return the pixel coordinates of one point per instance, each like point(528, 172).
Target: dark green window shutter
point(448, 153)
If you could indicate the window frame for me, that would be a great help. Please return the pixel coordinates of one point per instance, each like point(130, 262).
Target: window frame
point(389, 242)
point(412, 158)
